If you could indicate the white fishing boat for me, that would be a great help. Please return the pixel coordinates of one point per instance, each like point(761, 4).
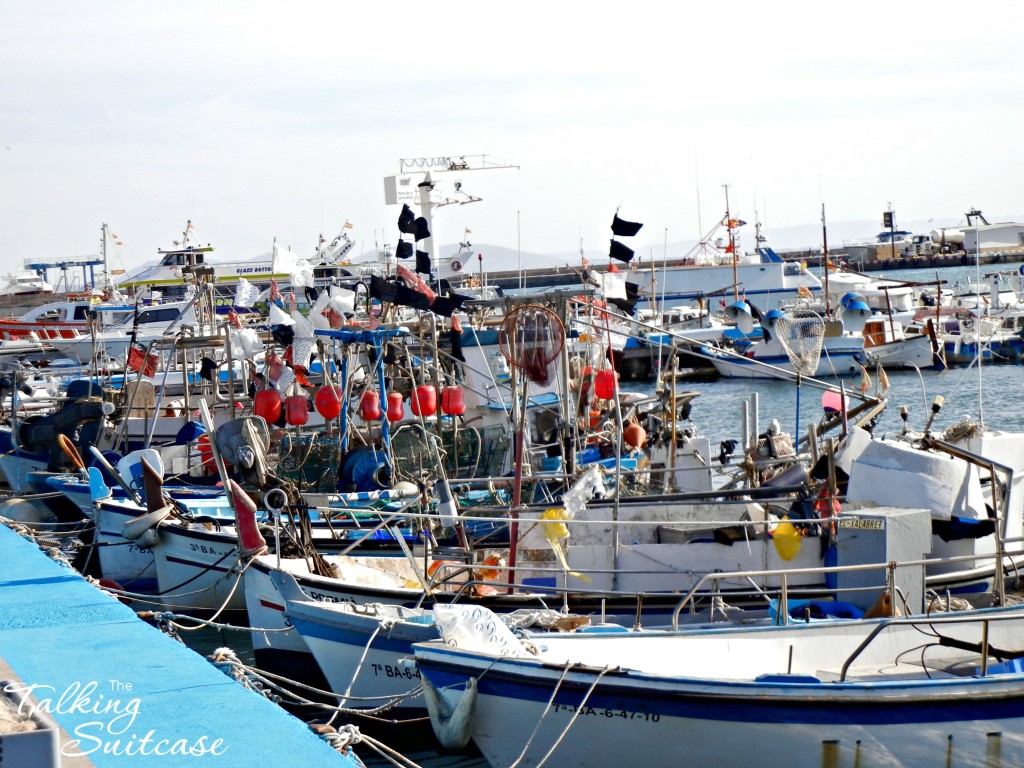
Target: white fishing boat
point(831, 350)
point(140, 326)
point(365, 650)
point(722, 274)
point(888, 344)
point(65, 320)
point(910, 692)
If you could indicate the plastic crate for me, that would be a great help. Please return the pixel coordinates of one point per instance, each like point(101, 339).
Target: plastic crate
point(39, 748)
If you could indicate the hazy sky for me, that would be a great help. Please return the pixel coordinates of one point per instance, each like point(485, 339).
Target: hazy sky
point(259, 120)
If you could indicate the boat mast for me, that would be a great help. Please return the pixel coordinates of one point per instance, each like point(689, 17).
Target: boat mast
point(824, 258)
point(732, 247)
point(103, 253)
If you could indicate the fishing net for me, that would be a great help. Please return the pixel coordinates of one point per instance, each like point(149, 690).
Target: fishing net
point(531, 339)
point(802, 337)
point(309, 462)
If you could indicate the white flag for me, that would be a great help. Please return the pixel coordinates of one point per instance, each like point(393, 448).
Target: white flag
point(613, 286)
point(245, 293)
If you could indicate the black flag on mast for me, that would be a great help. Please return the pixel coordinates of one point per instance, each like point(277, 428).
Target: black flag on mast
point(420, 229)
point(423, 264)
point(407, 221)
point(404, 249)
point(621, 252)
point(623, 228)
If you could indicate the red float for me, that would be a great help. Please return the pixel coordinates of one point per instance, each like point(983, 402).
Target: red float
point(369, 406)
point(296, 410)
point(452, 402)
point(328, 402)
point(605, 383)
point(250, 540)
point(423, 400)
point(267, 404)
point(396, 411)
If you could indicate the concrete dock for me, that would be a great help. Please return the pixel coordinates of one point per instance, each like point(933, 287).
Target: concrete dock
point(123, 693)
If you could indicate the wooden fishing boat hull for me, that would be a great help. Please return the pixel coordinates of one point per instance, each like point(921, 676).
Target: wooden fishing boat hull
point(364, 651)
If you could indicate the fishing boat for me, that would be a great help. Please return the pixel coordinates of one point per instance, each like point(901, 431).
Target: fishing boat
point(789, 337)
point(721, 268)
point(137, 326)
point(364, 649)
point(888, 343)
point(914, 692)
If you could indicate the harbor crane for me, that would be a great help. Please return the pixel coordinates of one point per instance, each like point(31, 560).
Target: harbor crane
point(424, 182)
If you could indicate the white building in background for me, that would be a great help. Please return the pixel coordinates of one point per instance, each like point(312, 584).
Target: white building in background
point(993, 236)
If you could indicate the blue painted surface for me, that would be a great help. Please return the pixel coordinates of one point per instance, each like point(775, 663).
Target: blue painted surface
point(60, 633)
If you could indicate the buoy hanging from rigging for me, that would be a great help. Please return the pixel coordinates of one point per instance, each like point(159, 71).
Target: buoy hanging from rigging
point(452, 401)
point(327, 402)
point(267, 404)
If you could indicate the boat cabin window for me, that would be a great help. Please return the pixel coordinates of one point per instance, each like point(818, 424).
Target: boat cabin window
point(179, 259)
point(158, 315)
point(81, 313)
point(155, 315)
point(791, 269)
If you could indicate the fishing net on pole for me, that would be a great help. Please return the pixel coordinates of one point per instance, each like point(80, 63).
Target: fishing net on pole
point(802, 337)
point(531, 339)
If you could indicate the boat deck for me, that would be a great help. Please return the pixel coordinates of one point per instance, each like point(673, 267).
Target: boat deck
point(126, 689)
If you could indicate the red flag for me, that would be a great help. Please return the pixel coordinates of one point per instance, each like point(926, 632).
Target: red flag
point(613, 268)
point(140, 362)
point(415, 282)
point(456, 324)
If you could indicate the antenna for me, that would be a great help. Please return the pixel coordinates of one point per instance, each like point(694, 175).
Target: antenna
point(434, 182)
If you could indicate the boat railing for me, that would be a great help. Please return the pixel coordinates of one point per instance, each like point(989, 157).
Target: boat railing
point(463, 579)
point(783, 575)
point(983, 646)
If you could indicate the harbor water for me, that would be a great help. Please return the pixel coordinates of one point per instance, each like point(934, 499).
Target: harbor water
point(989, 393)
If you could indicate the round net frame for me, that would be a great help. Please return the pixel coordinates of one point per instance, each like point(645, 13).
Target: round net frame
point(802, 337)
point(531, 339)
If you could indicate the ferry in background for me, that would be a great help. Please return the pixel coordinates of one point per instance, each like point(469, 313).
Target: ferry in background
point(23, 283)
point(170, 276)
